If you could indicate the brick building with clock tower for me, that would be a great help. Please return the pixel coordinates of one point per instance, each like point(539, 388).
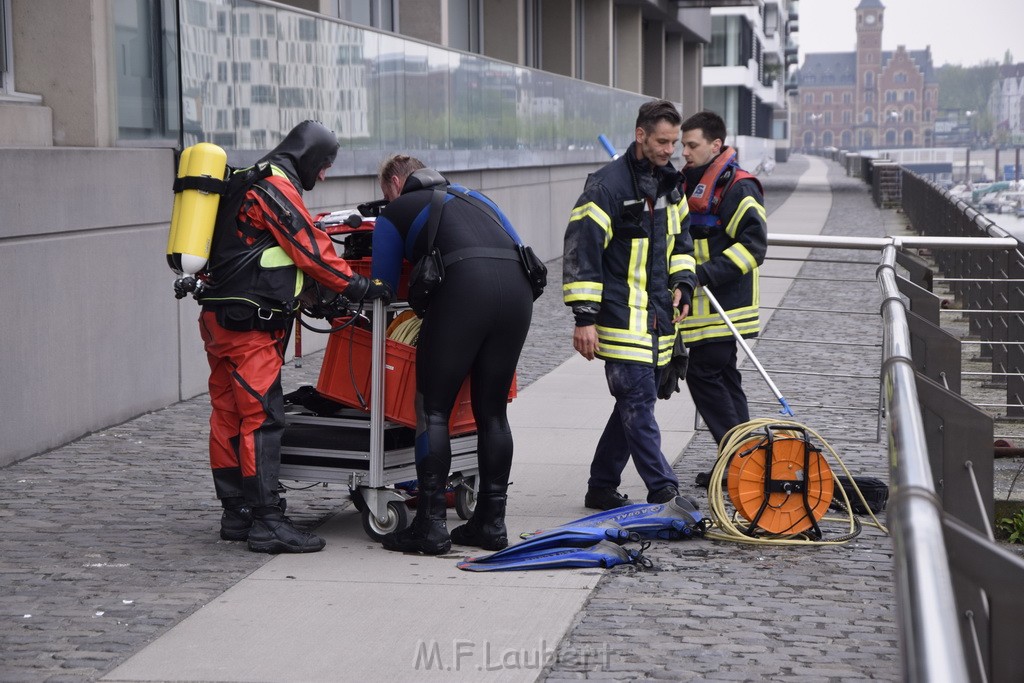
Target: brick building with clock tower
point(867, 99)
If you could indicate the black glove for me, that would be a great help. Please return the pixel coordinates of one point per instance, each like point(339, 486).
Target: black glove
point(675, 371)
point(363, 289)
point(378, 289)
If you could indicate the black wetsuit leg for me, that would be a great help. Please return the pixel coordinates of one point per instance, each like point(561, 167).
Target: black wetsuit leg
point(476, 326)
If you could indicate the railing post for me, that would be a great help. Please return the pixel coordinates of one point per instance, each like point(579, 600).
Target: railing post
point(1015, 332)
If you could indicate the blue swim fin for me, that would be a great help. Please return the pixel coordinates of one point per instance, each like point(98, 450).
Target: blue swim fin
point(601, 554)
point(560, 538)
point(677, 519)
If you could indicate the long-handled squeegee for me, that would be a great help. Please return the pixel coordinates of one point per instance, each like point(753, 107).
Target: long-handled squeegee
point(750, 354)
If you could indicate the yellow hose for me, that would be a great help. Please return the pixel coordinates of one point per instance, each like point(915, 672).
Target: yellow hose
point(725, 528)
point(405, 331)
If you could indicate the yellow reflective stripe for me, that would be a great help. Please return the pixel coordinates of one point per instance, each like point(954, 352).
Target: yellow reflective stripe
point(275, 257)
point(624, 354)
point(701, 251)
point(672, 217)
point(595, 213)
point(638, 284)
point(582, 291)
point(621, 337)
point(610, 348)
point(742, 257)
point(746, 204)
point(705, 311)
point(716, 332)
point(682, 263)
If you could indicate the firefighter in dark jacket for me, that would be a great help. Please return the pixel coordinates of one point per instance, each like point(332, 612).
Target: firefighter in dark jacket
point(259, 256)
point(730, 237)
point(626, 246)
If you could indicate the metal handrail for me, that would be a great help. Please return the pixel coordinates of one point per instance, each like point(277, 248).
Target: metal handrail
point(931, 650)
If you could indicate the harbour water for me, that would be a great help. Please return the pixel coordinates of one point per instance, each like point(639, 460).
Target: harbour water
point(1009, 222)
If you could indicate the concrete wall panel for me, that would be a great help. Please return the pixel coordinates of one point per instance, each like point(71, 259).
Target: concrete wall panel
point(90, 335)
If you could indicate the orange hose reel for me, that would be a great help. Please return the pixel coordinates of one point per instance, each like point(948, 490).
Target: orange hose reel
point(796, 493)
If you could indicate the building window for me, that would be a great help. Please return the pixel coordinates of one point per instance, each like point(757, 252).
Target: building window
point(5, 65)
point(145, 47)
point(868, 116)
point(263, 94)
point(847, 139)
point(809, 98)
point(464, 25)
point(908, 138)
point(847, 116)
point(847, 98)
point(375, 13)
point(890, 95)
point(826, 138)
point(869, 79)
point(908, 116)
point(532, 30)
point(732, 42)
point(909, 96)
point(828, 98)
point(900, 77)
point(828, 118)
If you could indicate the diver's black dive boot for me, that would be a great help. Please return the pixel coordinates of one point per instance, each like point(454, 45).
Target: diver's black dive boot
point(428, 533)
point(236, 520)
point(486, 528)
point(272, 532)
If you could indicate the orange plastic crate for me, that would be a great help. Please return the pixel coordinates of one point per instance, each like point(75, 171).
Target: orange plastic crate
point(345, 377)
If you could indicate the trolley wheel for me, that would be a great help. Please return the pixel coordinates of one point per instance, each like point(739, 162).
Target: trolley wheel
point(398, 518)
point(357, 499)
point(465, 500)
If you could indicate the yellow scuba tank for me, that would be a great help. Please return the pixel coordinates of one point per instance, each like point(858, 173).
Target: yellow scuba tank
point(197, 191)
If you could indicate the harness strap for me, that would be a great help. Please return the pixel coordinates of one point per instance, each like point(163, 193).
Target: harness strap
point(480, 252)
point(201, 183)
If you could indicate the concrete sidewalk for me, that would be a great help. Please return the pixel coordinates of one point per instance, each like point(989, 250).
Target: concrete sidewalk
point(357, 612)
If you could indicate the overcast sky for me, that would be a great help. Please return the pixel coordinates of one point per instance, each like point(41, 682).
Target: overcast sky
point(965, 32)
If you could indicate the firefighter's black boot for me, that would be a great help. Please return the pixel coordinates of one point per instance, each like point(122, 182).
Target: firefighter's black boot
point(486, 528)
point(428, 533)
point(272, 532)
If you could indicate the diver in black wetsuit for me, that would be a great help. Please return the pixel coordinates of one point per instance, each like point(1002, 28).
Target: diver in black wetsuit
point(476, 325)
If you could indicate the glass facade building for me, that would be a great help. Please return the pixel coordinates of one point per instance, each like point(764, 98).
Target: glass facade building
point(241, 74)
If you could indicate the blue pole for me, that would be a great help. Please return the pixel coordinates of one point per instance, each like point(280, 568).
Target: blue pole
point(608, 147)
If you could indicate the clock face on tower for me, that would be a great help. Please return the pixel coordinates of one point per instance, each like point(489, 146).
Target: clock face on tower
point(870, 19)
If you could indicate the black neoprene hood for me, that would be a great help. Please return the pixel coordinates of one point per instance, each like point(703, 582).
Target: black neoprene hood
point(305, 151)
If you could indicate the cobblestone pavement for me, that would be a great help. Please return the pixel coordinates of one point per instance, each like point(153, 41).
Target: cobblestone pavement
point(111, 540)
point(717, 610)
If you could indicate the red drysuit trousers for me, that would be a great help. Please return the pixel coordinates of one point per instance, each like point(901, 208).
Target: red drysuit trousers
point(247, 416)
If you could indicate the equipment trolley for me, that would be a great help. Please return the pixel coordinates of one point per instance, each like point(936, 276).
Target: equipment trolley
point(367, 452)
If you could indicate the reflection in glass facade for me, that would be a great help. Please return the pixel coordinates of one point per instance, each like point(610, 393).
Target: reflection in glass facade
point(250, 72)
